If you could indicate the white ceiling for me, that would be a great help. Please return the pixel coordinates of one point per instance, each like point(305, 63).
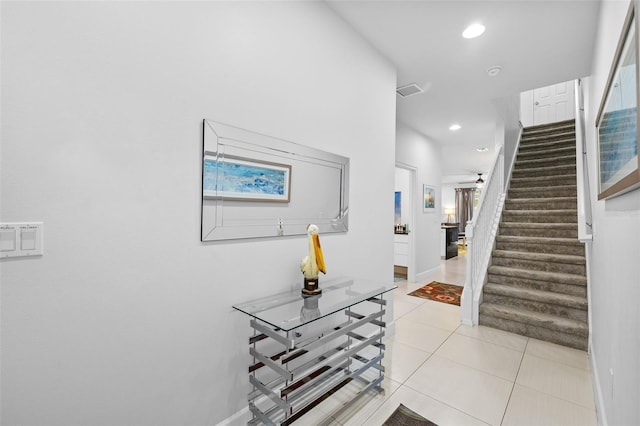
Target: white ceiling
point(537, 43)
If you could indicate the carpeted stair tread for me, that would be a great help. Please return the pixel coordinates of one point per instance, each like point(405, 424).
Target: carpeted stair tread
point(567, 300)
point(539, 240)
point(541, 200)
point(537, 319)
point(551, 170)
point(541, 203)
point(563, 123)
point(548, 132)
point(546, 262)
point(550, 127)
point(560, 277)
point(543, 179)
point(548, 335)
point(551, 151)
point(540, 216)
point(541, 257)
point(532, 142)
point(551, 286)
point(536, 162)
point(549, 211)
point(540, 225)
point(539, 244)
point(532, 229)
point(543, 191)
point(531, 139)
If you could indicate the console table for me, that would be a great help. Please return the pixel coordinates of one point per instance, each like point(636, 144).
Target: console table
point(305, 349)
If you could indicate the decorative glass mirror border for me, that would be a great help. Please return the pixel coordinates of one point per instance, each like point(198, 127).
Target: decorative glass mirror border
point(317, 192)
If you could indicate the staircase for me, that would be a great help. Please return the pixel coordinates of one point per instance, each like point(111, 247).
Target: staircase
point(537, 284)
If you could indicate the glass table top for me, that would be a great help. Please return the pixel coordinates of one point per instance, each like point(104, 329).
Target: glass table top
point(290, 310)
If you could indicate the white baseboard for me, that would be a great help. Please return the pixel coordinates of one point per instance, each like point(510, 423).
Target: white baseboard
point(423, 276)
point(235, 419)
point(600, 410)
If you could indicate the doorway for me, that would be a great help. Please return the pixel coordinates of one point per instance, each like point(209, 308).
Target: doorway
point(404, 213)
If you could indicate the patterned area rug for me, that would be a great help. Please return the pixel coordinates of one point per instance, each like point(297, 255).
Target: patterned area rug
point(406, 417)
point(440, 292)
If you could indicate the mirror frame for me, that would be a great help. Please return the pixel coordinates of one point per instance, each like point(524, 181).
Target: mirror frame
point(218, 136)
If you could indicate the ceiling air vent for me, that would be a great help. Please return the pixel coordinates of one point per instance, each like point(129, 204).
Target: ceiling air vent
point(409, 90)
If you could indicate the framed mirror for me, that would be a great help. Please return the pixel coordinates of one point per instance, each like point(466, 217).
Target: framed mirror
point(257, 186)
point(617, 121)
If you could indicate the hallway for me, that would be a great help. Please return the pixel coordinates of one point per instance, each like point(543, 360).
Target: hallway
point(459, 375)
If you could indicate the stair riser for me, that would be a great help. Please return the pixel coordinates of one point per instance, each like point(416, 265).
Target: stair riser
point(529, 305)
point(562, 139)
point(560, 191)
point(541, 205)
point(533, 181)
point(528, 216)
point(534, 265)
point(556, 287)
point(536, 232)
point(539, 143)
point(544, 162)
point(550, 154)
point(538, 275)
point(532, 139)
point(559, 171)
point(553, 336)
point(541, 248)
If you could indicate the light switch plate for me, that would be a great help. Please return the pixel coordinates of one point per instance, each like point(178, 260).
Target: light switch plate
point(7, 239)
point(21, 239)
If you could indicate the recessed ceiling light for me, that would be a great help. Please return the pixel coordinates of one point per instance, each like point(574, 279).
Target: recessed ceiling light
point(493, 71)
point(454, 127)
point(483, 149)
point(473, 31)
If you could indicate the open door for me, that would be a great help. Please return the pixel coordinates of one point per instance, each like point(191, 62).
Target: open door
point(404, 209)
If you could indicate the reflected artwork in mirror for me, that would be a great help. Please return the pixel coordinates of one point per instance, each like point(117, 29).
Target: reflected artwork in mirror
point(257, 186)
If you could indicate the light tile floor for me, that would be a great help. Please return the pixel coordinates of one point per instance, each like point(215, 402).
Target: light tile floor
point(459, 375)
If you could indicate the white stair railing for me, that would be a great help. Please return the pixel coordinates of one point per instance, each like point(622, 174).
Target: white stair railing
point(480, 233)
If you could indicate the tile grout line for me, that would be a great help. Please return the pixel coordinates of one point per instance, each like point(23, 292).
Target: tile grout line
point(515, 380)
point(432, 397)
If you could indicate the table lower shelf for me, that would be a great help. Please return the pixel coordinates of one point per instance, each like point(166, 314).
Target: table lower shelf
point(352, 382)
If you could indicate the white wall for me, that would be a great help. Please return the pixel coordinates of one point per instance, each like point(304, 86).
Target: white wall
point(508, 129)
point(615, 257)
point(417, 151)
point(127, 317)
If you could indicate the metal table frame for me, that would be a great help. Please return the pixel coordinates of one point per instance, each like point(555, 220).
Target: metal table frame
point(304, 350)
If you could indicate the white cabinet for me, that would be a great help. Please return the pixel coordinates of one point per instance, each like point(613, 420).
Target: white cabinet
point(401, 250)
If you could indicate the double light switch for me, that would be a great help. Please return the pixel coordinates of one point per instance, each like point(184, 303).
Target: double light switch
point(20, 239)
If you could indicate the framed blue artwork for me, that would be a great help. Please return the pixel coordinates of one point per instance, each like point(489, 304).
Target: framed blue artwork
point(398, 207)
point(235, 178)
point(617, 121)
point(429, 197)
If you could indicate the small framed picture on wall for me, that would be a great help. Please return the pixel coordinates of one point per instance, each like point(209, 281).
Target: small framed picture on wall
point(429, 198)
